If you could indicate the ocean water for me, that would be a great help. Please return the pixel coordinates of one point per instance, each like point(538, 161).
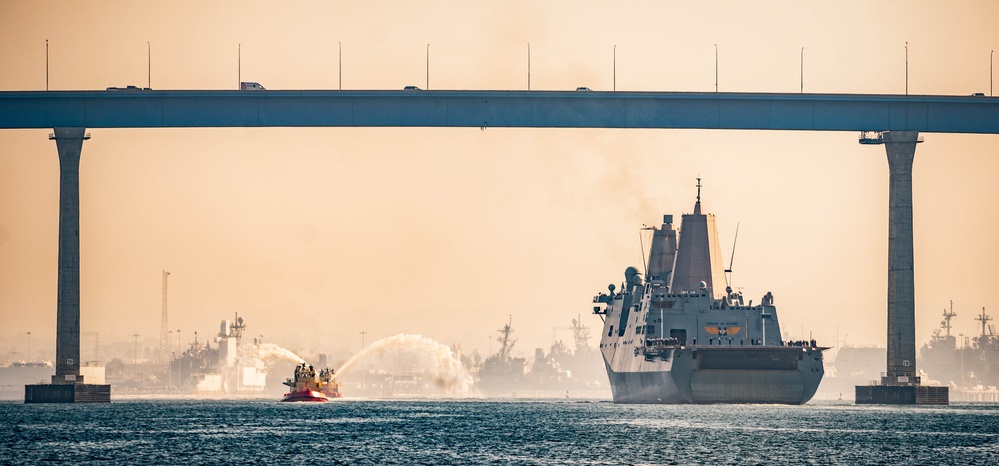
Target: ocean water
point(543, 432)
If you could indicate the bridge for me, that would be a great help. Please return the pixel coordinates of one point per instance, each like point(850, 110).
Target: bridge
point(504, 109)
point(898, 118)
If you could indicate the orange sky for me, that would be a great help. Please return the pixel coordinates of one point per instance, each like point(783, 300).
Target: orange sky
point(317, 234)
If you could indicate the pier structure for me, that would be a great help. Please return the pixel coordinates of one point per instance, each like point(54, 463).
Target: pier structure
point(68, 385)
point(900, 384)
point(900, 117)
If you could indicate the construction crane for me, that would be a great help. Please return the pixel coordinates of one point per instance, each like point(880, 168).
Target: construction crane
point(164, 332)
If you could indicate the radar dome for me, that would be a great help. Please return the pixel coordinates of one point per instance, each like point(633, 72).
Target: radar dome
point(631, 275)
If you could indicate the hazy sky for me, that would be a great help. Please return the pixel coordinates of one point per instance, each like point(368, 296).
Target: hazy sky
point(314, 235)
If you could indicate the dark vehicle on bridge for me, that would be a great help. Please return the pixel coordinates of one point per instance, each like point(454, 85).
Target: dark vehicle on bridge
point(129, 88)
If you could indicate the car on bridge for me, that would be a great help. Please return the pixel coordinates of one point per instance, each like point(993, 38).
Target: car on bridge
point(128, 88)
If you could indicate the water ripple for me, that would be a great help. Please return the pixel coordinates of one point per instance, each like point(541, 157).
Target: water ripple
point(556, 432)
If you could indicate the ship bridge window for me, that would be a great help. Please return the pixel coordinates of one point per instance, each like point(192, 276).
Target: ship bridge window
point(609, 332)
point(650, 329)
point(662, 303)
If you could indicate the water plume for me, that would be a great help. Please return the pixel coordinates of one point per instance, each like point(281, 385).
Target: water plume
point(271, 352)
point(438, 363)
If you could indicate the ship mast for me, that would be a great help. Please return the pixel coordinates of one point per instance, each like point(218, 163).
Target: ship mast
point(947, 316)
point(505, 340)
point(984, 319)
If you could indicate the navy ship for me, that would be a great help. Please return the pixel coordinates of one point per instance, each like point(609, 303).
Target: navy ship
point(681, 335)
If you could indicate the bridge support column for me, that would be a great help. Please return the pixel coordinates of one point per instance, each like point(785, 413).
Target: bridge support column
point(68, 384)
point(900, 384)
point(901, 149)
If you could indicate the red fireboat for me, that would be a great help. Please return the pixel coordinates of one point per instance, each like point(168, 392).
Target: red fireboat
point(310, 386)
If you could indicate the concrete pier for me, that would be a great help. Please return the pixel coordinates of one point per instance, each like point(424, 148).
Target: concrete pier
point(900, 384)
point(901, 149)
point(68, 384)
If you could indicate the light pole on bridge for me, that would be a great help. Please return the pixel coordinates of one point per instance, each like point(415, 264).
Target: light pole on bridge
point(716, 67)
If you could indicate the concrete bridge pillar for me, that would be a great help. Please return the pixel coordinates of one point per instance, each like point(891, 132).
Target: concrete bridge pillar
point(901, 149)
point(900, 385)
point(67, 384)
point(69, 142)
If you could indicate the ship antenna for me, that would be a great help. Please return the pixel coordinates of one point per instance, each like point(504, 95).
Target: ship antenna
point(728, 271)
point(697, 205)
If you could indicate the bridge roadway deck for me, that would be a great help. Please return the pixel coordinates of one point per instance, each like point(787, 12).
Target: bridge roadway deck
point(510, 109)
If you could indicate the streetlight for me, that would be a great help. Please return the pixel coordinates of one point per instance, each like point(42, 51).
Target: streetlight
point(363, 364)
point(990, 72)
point(174, 356)
point(135, 356)
point(29, 346)
point(177, 360)
point(716, 67)
point(963, 348)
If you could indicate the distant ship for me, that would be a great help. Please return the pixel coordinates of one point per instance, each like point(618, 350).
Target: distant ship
point(502, 372)
point(556, 372)
point(308, 385)
point(204, 369)
point(969, 366)
point(678, 336)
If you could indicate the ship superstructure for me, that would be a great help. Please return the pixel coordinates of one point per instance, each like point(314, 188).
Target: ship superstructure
point(682, 335)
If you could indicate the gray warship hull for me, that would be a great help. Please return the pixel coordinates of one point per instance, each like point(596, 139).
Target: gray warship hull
point(777, 375)
point(682, 335)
